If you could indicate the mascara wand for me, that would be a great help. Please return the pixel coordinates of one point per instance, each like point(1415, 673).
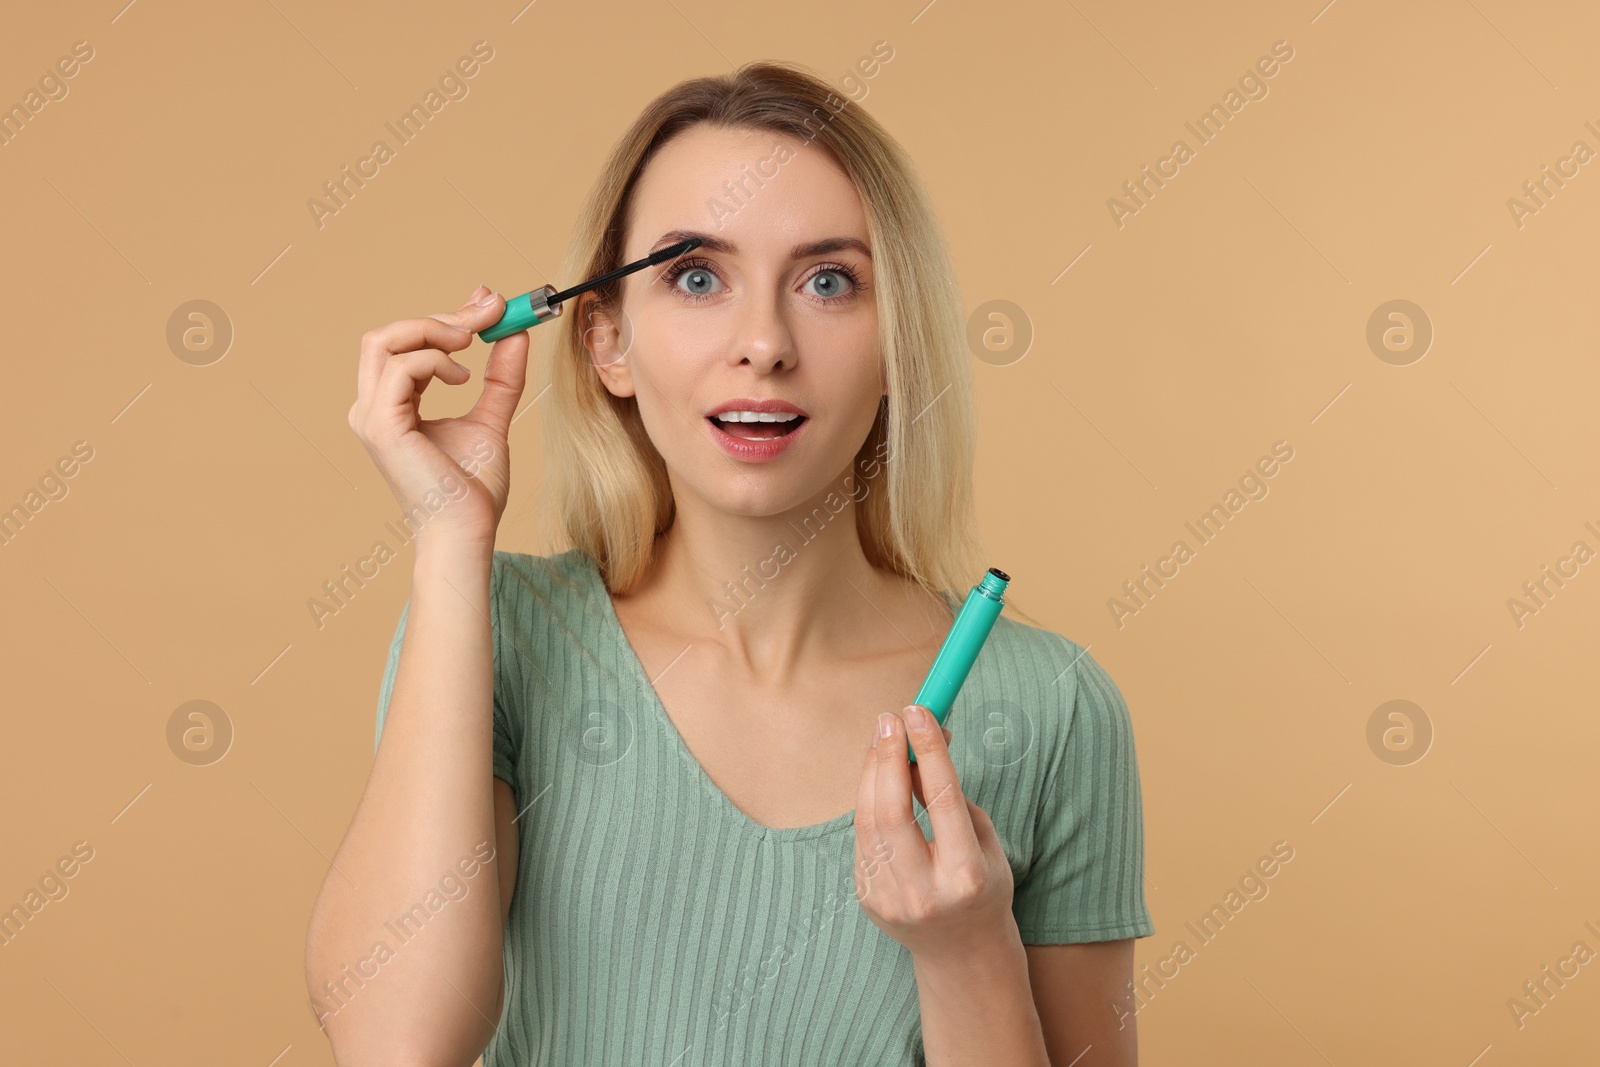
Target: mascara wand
point(544, 304)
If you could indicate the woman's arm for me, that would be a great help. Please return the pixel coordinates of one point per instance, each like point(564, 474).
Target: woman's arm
point(1085, 1007)
point(977, 1007)
point(403, 957)
point(990, 1006)
point(427, 817)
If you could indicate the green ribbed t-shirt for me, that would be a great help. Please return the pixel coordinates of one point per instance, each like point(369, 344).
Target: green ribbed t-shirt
point(654, 922)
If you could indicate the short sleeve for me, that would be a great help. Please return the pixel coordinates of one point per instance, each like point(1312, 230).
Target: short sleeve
point(504, 755)
point(386, 687)
point(1086, 881)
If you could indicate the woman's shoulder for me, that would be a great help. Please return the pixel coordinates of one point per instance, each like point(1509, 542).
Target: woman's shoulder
point(1053, 682)
point(570, 569)
point(532, 594)
point(1042, 654)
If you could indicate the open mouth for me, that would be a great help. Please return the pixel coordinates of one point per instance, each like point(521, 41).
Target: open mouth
point(760, 429)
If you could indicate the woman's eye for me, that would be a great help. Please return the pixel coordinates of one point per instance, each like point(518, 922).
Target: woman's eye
point(699, 281)
point(831, 283)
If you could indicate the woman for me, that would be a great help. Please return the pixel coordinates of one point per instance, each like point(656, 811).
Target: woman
point(645, 800)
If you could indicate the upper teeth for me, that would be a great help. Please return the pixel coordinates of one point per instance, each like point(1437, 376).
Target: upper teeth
point(757, 416)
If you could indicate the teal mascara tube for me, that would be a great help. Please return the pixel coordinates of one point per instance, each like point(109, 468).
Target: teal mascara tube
point(962, 645)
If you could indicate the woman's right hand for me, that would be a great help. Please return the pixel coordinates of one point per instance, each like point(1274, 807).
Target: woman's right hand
point(450, 475)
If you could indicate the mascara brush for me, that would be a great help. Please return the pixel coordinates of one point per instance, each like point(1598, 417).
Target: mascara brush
point(544, 304)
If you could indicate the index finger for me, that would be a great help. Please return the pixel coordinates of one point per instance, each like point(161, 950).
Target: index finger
point(946, 804)
point(888, 814)
point(406, 335)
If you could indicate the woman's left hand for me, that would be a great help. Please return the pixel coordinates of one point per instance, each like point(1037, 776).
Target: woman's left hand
point(942, 897)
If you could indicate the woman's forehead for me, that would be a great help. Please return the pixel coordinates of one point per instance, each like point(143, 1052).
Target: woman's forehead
point(762, 191)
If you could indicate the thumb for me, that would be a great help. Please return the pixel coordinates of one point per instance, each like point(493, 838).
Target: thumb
point(504, 378)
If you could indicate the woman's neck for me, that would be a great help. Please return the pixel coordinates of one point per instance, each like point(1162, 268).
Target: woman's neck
point(776, 592)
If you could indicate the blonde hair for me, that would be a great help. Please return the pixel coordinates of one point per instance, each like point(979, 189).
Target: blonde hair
point(609, 491)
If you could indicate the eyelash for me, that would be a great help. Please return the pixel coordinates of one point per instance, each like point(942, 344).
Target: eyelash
point(684, 266)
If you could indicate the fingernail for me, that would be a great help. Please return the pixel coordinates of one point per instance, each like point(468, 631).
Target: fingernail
point(886, 724)
point(486, 299)
point(916, 717)
point(472, 296)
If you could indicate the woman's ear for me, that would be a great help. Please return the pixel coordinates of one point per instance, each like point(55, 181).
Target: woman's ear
point(605, 339)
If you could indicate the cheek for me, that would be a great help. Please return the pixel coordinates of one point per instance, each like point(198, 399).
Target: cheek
point(666, 370)
point(856, 363)
point(678, 348)
point(855, 394)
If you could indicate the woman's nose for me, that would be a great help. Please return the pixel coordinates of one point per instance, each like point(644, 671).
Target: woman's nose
point(764, 339)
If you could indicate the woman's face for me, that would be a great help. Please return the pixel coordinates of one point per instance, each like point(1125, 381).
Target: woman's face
point(744, 317)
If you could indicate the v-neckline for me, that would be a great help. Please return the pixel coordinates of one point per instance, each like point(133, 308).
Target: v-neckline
point(658, 710)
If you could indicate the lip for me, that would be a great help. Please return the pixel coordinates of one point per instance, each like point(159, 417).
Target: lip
point(744, 403)
point(754, 451)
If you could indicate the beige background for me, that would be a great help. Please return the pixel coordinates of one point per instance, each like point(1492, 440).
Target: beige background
point(1229, 313)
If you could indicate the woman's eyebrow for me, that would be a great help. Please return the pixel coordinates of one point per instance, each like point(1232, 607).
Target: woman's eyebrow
point(713, 243)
